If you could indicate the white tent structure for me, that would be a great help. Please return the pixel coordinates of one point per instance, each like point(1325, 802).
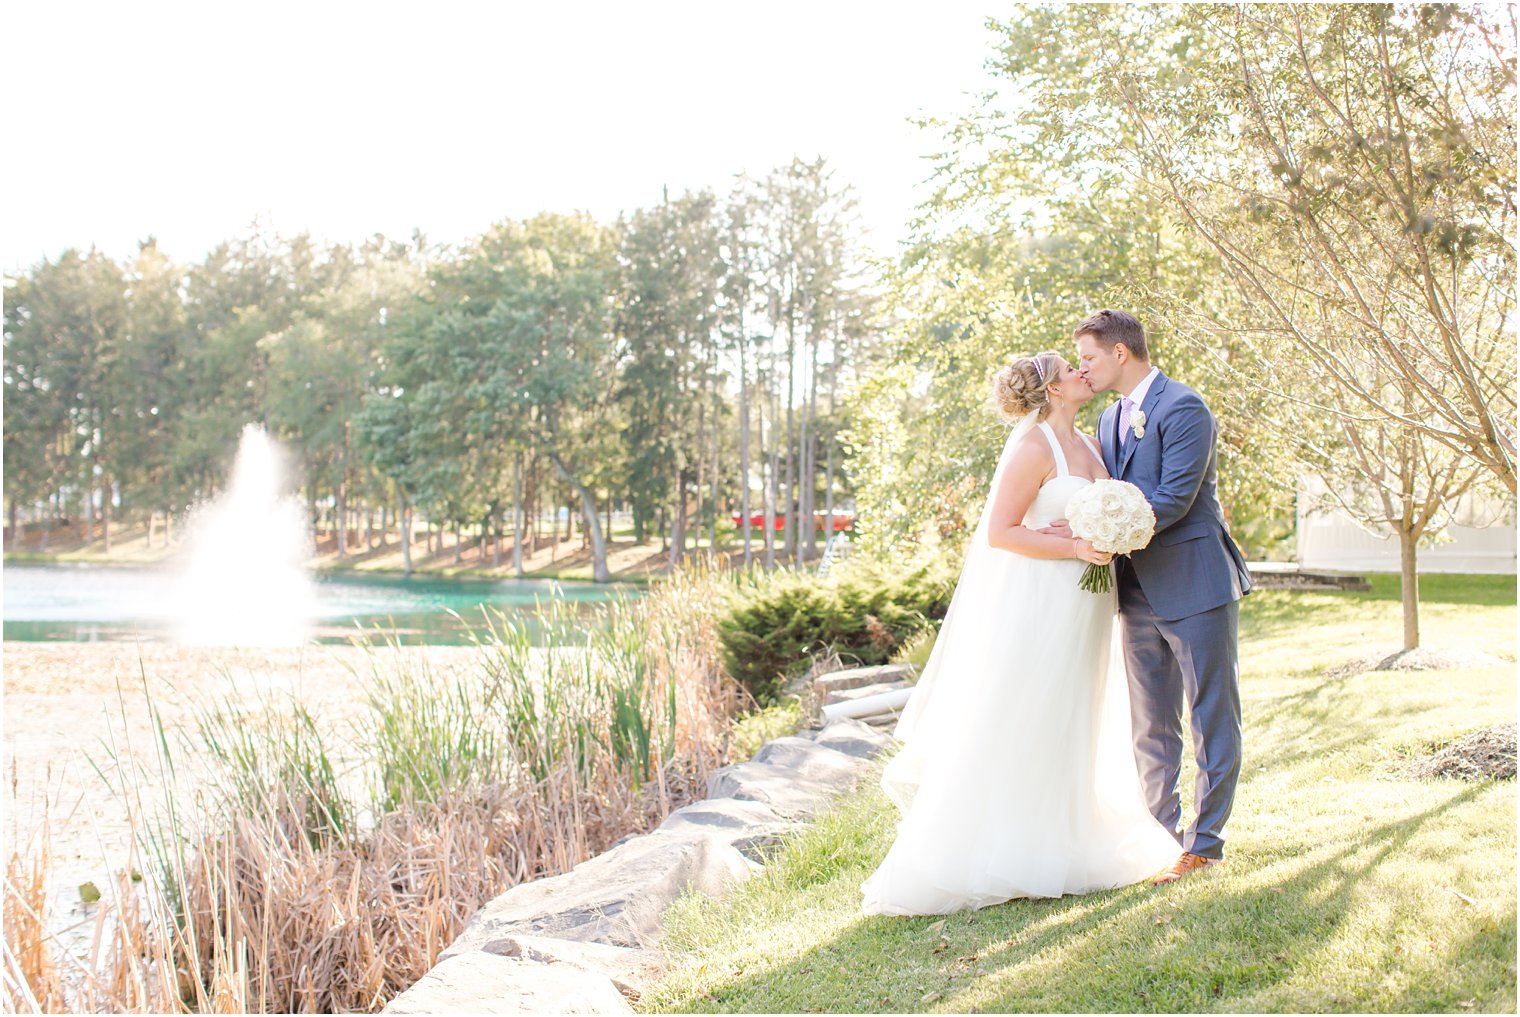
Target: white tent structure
point(1480, 539)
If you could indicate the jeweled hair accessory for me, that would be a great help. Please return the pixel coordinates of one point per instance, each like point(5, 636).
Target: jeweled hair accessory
point(1039, 370)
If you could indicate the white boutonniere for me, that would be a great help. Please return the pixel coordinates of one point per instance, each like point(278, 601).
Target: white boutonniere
point(1137, 423)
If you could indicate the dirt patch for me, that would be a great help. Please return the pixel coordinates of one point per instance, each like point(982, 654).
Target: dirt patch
point(1488, 754)
point(1418, 659)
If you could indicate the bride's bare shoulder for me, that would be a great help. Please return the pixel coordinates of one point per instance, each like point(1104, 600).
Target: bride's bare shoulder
point(1033, 444)
point(1031, 455)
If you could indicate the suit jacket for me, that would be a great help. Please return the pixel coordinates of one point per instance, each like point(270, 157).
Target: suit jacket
point(1191, 565)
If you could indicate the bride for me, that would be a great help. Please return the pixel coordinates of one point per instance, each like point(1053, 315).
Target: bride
point(1016, 777)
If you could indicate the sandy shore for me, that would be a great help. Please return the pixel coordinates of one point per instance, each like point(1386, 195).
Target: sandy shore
point(72, 707)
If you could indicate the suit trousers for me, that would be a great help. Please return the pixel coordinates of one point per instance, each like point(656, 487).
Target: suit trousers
point(1192, 659)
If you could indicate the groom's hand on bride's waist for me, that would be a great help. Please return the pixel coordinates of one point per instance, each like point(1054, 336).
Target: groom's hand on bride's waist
point(1057, 528)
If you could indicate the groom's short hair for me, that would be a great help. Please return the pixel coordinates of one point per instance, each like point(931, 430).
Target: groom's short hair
point(1111, 327)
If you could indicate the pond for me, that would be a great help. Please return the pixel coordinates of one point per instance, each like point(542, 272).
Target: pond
point(60, 603)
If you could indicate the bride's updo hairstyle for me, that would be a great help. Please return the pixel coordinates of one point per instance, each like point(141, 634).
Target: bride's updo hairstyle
point(1020, 387)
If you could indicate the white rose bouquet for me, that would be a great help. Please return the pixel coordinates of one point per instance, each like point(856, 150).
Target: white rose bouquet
point(1113, 516)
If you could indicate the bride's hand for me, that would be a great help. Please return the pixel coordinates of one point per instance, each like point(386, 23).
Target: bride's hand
point(1057, 528)
point(1090, 554)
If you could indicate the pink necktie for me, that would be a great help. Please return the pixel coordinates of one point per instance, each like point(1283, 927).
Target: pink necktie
point(1124, 407)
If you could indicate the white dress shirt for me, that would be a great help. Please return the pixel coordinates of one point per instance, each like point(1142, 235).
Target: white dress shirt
point(1136, 395)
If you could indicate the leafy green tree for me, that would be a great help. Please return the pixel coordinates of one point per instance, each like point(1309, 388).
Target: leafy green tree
point(244, 291)
point(672, 272)
point(1353, 169)
point(510, 349)
point(1036, 219)
point(149, 399)
point(38, 439)
point(809, 234)
point(64, 342)
point(322, 365)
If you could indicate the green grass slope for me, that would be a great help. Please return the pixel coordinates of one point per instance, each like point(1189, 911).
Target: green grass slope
point(1349, 887)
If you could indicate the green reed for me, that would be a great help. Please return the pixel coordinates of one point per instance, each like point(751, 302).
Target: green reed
point(275, 761)
point(631, 650)
point(427, 733)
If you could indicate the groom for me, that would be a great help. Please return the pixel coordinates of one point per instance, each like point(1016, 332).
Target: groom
point(1179, 597)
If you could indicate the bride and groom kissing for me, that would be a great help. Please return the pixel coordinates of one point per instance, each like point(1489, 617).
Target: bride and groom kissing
point(1042, 745)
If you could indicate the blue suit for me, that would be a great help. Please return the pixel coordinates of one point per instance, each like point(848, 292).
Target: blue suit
point(1179, 605)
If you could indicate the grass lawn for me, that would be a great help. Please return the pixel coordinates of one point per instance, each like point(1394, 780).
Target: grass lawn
point(1349, 887)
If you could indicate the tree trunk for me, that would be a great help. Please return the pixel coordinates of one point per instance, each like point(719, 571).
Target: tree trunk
point(518, 512)
point(744, 444)
point(342, 513)
point(599, 571)
point(828, 493)
point(105, 513)
point(698, 436)
point(770, 489)
point(1409, 586)
point(405, 522)
point(458, 544)
point(717, 471)
point(810, 463)
point(789, 479)
point(678, 522)
point(696, 531)
point(530, 507)
point(89, 514)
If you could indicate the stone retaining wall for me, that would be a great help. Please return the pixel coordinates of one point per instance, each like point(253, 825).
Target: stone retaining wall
point(580, 942)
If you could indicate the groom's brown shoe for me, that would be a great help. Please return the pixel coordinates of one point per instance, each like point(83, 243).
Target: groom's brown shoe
point(1186, 865)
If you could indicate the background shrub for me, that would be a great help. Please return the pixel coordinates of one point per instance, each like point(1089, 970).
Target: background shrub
point(778, 622)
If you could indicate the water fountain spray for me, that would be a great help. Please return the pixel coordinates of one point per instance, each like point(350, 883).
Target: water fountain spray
point(246, 582)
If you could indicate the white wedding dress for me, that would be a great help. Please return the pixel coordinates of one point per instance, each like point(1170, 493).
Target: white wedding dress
point(1017, 777)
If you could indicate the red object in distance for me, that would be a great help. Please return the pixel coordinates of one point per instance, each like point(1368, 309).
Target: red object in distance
point(820, 521)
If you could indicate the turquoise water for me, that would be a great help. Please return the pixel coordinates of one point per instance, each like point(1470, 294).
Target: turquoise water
point(58, 603)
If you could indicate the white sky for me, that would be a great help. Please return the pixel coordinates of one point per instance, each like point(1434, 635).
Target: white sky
point(185, 121)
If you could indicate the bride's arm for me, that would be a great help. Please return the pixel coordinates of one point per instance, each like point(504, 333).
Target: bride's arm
point(1030, 465)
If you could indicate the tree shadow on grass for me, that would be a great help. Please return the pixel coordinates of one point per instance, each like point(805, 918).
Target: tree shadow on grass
point(1224, 940)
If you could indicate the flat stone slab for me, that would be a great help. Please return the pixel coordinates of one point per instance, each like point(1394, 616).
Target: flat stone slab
point(615, 898)
point(628, 969)
point(481, 982)
point(852, 737)
point(807, 758)
point(784, 791)
point(750, 827)
point(796, 776)
point(861, 692)
point(857, 676)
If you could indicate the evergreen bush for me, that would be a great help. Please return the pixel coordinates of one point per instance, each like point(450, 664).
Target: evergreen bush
point(864, 614)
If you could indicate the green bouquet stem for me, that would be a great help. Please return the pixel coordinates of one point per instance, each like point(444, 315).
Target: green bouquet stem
point(1096, 579)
